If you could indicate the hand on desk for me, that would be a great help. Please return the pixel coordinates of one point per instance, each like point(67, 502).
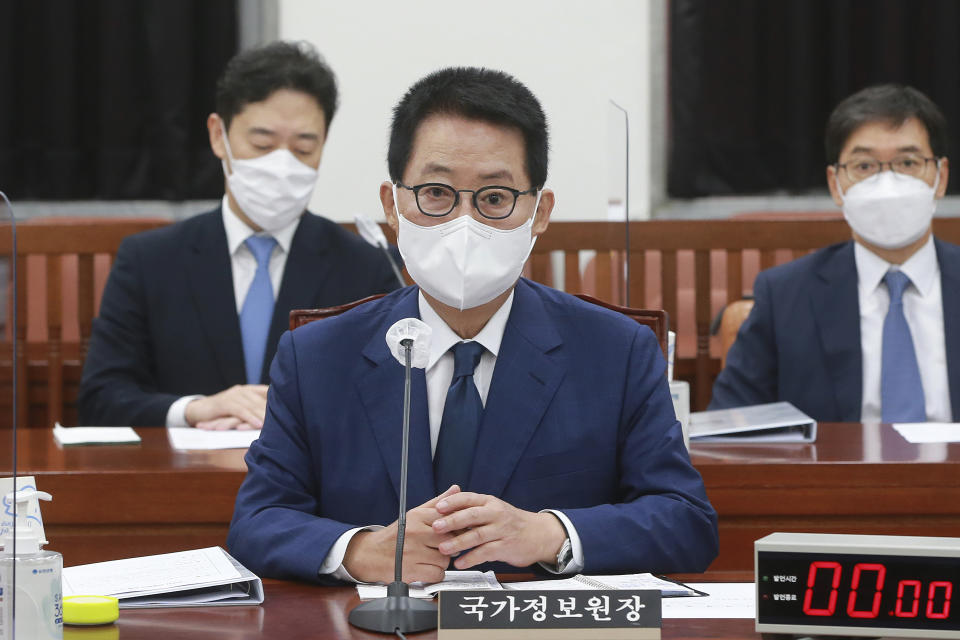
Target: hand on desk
point(370, 554)
point(242, 407)
point(491, 530)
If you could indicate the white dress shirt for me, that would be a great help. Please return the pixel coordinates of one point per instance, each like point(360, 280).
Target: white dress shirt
point(243, 265)
point(439, 375)
point(923, 308)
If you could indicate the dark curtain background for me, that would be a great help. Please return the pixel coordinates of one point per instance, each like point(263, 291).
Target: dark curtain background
point(753, 81)
point(108, 99)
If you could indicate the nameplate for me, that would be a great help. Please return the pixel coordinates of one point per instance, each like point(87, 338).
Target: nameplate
point(549, 615)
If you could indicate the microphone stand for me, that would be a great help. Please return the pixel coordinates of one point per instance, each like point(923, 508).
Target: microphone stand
point(393, 265)
point(398, 611)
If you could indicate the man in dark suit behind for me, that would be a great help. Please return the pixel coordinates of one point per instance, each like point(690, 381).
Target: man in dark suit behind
point(867, 330)
point(192, 313)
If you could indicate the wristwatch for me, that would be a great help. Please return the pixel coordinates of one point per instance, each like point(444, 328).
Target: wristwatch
point(564, 556)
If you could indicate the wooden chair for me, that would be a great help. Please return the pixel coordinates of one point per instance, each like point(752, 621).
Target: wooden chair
point(733, 316)
point(62, 265)
point(300, 317)
point(656, 319)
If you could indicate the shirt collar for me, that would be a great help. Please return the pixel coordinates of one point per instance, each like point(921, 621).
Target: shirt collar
point(238, 231)
point(443, 337)
point(921, 267)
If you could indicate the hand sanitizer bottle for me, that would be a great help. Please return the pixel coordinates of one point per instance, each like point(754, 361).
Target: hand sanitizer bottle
point(38, 614)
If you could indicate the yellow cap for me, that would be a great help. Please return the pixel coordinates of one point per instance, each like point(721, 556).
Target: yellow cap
point(87, 610)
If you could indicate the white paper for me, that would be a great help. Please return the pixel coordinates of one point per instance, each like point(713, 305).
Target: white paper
point(929, 432)
point(629, 581)
point(7, 507)
point(725, 600)
point(94, 435)
point(194, 439)
point(150, 574)
point(452, 581)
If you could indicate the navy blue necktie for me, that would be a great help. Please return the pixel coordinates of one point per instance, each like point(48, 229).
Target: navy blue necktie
point(257, 310)
point(462, 412)
point(901, 390)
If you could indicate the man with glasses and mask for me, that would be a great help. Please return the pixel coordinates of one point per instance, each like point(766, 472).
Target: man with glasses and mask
point(542, 431)
point(867, 330)
point(191, 313)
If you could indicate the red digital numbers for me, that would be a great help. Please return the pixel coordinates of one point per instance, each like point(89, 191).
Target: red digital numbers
point(855, 584)
point(938, 594)
point(948, 588)
point(899, 612)
point(811, 580)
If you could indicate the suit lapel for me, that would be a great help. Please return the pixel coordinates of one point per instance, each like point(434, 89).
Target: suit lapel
point(948, 257)
point(303, 275)
point(381, 392)
point(525, 379)
point(838, 323)
point(210, 280)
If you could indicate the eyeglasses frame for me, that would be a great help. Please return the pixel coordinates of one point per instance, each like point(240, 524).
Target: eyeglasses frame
point(838, 166)
point(456, 199)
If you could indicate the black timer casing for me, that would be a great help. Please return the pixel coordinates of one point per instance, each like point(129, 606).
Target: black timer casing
point(857, 585)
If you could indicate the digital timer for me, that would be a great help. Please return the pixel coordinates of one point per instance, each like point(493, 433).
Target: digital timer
point(858, 585)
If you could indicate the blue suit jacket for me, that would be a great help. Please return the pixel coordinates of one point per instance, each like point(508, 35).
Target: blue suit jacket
point(801, 341)
point(168, 323)
point(578, 418)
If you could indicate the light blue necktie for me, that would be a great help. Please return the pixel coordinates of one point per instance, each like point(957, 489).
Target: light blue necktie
point(460, 424)
point(901, 390)
point(257, 310)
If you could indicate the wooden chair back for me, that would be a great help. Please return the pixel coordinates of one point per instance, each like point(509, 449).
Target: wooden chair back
point(656, 319)
point(62, 266)
point(733, 316)
point(688, 268)
point(300, 317)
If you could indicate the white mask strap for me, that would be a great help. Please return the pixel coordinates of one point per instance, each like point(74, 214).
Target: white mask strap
point(226, 141)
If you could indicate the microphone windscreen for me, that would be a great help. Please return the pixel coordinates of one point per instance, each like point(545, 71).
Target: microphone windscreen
point(416, 330)
point(370, 231)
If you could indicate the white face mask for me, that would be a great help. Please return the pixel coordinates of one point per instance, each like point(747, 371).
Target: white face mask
point(464, 263)
point(890, 210)
point(273, 189)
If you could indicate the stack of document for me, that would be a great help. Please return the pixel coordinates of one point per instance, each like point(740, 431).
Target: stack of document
point(667, 588)
point(202, 577)
point(94, 435)
point(476, 580)
point(190, 439)
point(773, 422)
point(453, 581)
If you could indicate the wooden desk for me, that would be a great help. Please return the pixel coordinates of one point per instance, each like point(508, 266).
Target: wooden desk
point(854, 479)
point(293, 611)
point(120, 501)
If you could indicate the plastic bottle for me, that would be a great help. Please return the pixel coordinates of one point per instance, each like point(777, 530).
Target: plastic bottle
point(39, 598)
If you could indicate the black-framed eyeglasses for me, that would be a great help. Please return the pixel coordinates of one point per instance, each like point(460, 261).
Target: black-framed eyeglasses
point(436, 199)
point(913, 165)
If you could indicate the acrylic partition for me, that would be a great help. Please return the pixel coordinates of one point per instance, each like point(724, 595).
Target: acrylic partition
point(8, 406)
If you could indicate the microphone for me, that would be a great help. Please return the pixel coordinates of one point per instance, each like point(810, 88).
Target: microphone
point(409, 342)
point(372, 233)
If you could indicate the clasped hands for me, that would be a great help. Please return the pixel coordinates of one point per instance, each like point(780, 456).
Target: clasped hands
point(481, 527)
point(240, 407)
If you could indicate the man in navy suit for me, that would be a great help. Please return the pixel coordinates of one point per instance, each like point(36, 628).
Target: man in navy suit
point(867, 330)
point(192, 313)
point(542, 429)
